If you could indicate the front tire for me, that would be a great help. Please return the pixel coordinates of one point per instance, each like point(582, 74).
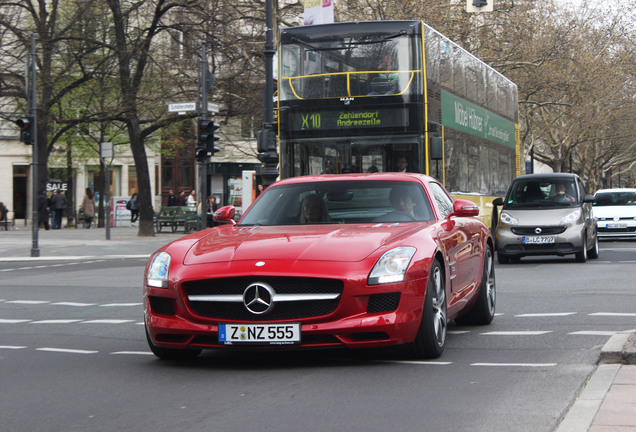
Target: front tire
point(430, 340)
point(503, 258)
point(593, 252)
point(581, 256)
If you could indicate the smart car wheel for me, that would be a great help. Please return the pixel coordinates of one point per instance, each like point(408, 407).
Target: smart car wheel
point(593, 252)
point(503, 258)
point(171, 354)
point(431, 337)
point(483, 311)
point(581, 256)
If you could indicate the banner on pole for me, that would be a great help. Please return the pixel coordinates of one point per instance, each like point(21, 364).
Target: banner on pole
point(318, 12)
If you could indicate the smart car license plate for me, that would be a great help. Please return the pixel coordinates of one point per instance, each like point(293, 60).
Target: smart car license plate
point(539, 240)
point(265, 334)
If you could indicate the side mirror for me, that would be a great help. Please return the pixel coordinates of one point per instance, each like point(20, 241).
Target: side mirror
point(587, 198)
point(225, 215)
point(464, 208)
point(498, 202)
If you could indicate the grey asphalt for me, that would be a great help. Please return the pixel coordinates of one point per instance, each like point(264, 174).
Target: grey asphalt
point(606, 403)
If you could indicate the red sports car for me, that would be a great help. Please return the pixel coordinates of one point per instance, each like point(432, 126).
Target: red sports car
point(356, 261)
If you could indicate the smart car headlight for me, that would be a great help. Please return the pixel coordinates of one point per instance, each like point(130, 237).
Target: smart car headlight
point(572, 217)
point(507, 219)
point(391, 267)
point(157, 275)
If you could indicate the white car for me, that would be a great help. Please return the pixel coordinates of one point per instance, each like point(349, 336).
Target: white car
point(615, 212)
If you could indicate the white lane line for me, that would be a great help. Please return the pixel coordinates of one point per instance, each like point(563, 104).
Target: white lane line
point(13, 321)
point(423, 362)
point(594, 333)
point(457, 332)
point(73, 304)
point(120, 304)
point(107, 321)
point(64, 350)
point(56, 321)
point(29, 302)
point(515, 364)
point(542, 315)
point(132, 353)
point(12, 347)
point(516, 333)
point(613, 314)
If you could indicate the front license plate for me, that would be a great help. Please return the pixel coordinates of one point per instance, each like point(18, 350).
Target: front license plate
point(538, 240)
point(616, 225)
point(266, 334)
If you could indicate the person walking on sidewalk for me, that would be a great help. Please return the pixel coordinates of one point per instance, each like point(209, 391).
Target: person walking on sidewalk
point(88, 206)
point(58, 204)
point(43, 209)
point(134, 209)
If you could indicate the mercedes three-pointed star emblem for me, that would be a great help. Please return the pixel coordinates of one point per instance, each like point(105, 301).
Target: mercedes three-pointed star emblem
point(259, 298)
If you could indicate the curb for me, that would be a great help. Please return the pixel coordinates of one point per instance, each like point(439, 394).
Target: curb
point(620, 349)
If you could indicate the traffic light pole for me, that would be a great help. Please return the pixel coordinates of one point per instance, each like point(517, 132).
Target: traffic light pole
point(35, 219)
point(203, 114)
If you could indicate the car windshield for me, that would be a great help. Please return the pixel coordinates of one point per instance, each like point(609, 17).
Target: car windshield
point(542, 193)
point(338, 202)
point(615, 199)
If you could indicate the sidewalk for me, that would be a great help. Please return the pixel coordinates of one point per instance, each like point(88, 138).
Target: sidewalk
point(607, 402)
point(80, 243)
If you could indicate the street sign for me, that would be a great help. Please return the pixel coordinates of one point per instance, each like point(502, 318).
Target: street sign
point(213, 108)
point(182, 107)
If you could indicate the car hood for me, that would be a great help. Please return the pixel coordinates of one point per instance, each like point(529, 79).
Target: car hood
point(343, 243)
point(614, 211)
point(544, 216)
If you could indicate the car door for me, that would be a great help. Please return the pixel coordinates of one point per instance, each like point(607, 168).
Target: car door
point(462, 246)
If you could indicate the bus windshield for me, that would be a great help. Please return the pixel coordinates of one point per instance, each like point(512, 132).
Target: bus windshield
point(347, 67)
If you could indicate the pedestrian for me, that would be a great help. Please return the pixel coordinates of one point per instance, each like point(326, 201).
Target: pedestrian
point(43, 209)
point(58, 204)
point(192, 199)
point(172, 199)
point(212, 207)
point(4, 211)
point(181, 199)
point(134, 209)
point(88, 207)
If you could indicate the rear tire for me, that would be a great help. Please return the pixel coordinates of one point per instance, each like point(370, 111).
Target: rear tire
point(483, 311)
point(430, 340)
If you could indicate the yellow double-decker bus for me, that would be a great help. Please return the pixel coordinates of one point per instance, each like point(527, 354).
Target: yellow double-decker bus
point(394, 95)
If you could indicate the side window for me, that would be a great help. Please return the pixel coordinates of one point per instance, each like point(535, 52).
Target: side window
point(444, 202)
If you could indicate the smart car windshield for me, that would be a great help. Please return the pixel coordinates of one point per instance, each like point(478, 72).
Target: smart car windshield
point(542, 193)
point(347, 202)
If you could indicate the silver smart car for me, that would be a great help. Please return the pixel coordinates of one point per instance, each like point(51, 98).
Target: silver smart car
point(546, 214)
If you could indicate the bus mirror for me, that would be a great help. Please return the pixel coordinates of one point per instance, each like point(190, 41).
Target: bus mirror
point(436, 148)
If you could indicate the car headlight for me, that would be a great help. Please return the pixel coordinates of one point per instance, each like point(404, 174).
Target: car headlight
point(391, 267)
point(507, 219)
point(157, 275)
point(572, 217)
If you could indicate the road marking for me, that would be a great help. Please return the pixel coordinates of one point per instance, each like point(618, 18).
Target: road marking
point(613, 314)
point(64, 350)
point(12, 347)
point(132, 353)
point(13, 321)
point(30, 302)
point(120, 304)
point(515, 364)
point(73, 304)
point(423, 362)
point(516, 333)
point(56, 321)
point(457, 332)
point(541, 315)
point(594, 333)
point(107, 321)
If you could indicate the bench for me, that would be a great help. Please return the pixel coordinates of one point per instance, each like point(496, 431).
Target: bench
point(177, 216)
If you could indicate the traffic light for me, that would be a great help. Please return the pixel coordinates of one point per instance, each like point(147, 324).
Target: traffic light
point(206, 137)
point(25, 124)
point(480, 3)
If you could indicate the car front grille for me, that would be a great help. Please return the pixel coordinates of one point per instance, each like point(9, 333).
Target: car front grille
point(217, 305)
point(545, 230)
